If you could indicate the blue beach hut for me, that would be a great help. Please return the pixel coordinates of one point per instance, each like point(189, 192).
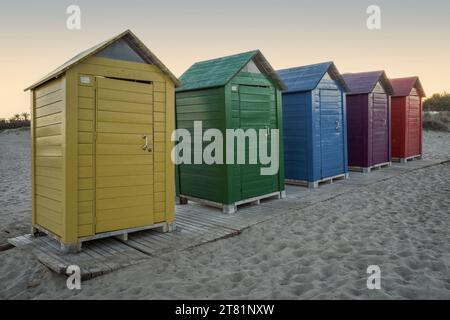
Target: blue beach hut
point(315, 124)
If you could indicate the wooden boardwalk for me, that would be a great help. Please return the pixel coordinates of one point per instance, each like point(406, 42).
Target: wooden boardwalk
point(98, 257)
point(196, 225)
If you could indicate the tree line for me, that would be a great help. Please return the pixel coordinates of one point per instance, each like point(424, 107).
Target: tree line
point(437, 102)
point(17, 121)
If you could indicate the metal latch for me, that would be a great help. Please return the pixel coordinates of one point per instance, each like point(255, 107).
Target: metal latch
point(146, 146)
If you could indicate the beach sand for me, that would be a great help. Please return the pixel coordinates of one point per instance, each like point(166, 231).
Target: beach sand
point(321, 252)
point(15, 184)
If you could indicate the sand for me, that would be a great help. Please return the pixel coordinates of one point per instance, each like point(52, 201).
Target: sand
point(323, 251)
point(436, 145)
point(15, 185)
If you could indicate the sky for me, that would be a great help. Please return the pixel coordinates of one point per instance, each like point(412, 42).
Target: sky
point(413, 39)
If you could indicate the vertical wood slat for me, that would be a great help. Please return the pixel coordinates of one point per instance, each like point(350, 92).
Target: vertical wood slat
point(231, 180)
point(94, 157)
point(152, 144)
point(86, 184)
point(170, 168)
point(70, 162)
point(279, 124)
point(33, 161)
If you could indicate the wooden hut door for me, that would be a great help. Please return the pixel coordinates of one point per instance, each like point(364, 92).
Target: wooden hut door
point(255, 113)
point(123, 155)
point(413, 122)
point(331, 133)
point(380, 128)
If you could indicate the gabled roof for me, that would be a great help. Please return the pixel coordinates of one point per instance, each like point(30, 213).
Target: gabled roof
point(365, 82)
point(130, 39)
point(403, 86)
point(218, 72)
point(307, 78)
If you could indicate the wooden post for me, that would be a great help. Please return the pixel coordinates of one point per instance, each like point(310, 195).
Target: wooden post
point(70, 159)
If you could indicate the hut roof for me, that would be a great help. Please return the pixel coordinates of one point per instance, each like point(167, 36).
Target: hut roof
point(129, 38)
point(403, 86)
point(365, 82)
point(307, 78)
point(218, 72)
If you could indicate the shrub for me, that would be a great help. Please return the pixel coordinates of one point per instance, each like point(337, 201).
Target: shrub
point(437, 102)
point(13, 123)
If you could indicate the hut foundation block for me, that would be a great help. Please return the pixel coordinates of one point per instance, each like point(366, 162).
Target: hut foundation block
point(181, 200)
point(229, 209)
point(313, 185)
point(70, 248)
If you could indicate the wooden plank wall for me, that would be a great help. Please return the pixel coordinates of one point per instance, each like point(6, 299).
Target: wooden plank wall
point(49, 102)
point(48, 106)
point(201, 180)
point(330, 151)
point(247, 181)
point(86, 183)
point(159, 150)
point(86, 128)
point(297, 135)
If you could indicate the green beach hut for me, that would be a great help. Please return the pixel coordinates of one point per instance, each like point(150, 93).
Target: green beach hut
point(236, 92)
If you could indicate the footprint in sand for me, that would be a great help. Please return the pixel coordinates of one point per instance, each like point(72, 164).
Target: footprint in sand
point(328, 271)
point(299, 253)
point(236, 277)
point(300, 289)
point(404, 272)
point(254, 260)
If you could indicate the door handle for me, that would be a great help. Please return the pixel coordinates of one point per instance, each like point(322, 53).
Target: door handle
point(146, 146)
point(338, 125)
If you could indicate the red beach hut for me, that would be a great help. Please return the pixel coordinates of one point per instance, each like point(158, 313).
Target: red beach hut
point(368, 120)
point(407, 119)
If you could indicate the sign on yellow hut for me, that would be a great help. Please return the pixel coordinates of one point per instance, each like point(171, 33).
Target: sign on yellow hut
point(101, 129)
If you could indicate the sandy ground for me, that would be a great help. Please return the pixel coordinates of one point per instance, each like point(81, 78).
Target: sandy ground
point(436, 145)
point(15, 185)
point(402, 225)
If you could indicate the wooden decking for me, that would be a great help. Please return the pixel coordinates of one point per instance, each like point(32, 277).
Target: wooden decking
point(316, 184)
point(230, 208)
point(405, 160)
point(196, 226)
point(98, 257)
point(370, 169)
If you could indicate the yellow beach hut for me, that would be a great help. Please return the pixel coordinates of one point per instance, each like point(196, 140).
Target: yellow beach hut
point(101, 145)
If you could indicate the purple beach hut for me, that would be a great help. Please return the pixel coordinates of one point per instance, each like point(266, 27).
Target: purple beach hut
point(368, 120)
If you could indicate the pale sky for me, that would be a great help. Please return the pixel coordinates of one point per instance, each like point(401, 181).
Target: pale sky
point(413, 39)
